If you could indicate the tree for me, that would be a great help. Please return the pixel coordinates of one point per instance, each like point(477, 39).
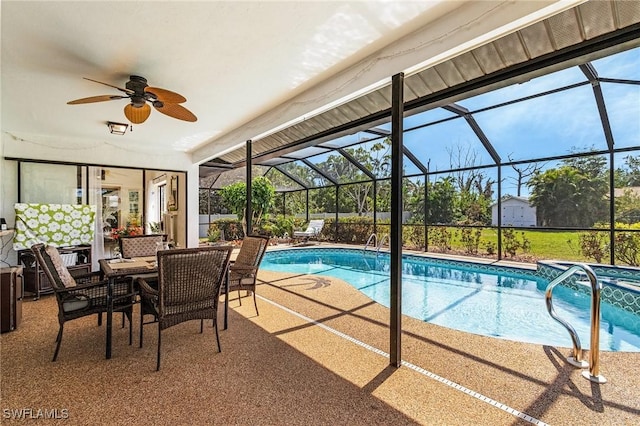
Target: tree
point(524, 171)
point(593, 166)
point(628, 207)
point(567, 196)
point(356, 193)
point(469, 177)
point(633, 175)
point(629, 176)
point(474, 186)
point(262, 193)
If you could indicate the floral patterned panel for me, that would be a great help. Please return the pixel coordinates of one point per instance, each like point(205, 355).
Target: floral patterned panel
point(58, 225)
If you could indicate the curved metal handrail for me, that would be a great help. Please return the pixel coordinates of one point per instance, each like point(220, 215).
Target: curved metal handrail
point(371, 237)
point(594, 352)
point(384, 237)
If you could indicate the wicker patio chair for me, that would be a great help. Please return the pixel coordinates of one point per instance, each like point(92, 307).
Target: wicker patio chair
point(244, 270)
point(140, 245)
point(81, 295)
point(189, 282)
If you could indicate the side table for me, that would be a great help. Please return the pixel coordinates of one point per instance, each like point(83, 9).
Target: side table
point(11, 291)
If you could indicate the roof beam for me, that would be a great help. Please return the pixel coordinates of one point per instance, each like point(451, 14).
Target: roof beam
point(592, 75)
point(415, 160)
point(320, 172)
point(290, 176)
point(356, 163)
point(463, 112)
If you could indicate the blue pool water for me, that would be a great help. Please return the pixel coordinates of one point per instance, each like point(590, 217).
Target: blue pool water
point(500, 302)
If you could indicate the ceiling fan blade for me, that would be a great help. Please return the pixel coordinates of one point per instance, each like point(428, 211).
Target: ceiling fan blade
point(166, 95)
point(100, 98)
point(110, 85)
point(177, 111)
point(137, 115)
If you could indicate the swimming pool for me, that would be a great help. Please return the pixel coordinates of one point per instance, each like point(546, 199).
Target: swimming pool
point(505, 303)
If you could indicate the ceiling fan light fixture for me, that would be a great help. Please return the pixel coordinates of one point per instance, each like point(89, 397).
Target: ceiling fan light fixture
point(117, 128)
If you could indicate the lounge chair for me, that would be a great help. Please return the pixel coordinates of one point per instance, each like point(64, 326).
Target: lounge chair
point(312, 231)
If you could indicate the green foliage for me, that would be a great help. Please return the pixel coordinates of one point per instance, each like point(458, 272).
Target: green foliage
point(234, 197)
point(262, 194)
point(440, 238)
point(470, 238)
point(593, 244)
point(225, 229)
point(511, 244)
point(352, 230)
point(627, 207)
point(278, 226)
point(631, 176)
point(490, 248)
point(442, 200)
point(295, 203)
point(567, 196)
point(213, 233)
point(412, 237)
point(383, 198)
point(627, 246)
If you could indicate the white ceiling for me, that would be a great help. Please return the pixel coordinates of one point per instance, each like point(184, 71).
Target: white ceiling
point(234, 61)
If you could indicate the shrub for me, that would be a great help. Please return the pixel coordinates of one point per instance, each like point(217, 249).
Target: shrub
point(413, 237)
point(440, 238)
point(511, 245)
point(594, 244)
point(470, 239)
point(230, 229)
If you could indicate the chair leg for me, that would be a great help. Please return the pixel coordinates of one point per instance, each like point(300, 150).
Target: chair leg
point(141, 325)
point(215, 323)
point(130, 317)
point(99, 319)
point(58, 340)
point(239, 297)
point(255, 303)
point(201, 326)
point(159, 341)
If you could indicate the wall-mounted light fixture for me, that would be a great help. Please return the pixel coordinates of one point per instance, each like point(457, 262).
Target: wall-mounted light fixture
point(117, 128)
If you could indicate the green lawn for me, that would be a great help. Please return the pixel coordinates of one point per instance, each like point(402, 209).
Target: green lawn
point(557, 245)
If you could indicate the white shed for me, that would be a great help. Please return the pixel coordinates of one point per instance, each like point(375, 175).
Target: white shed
point(516, 211)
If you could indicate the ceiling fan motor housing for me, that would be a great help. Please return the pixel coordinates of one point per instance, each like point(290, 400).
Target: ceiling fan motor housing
point(137, 84)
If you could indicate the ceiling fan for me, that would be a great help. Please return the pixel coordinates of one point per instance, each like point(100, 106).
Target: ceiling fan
point(140, 96)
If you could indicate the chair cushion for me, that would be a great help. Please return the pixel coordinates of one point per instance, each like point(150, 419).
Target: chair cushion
point(75, 304)
point(63, 272)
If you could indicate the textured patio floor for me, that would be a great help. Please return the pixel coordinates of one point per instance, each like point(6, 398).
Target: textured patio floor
point(316, 355)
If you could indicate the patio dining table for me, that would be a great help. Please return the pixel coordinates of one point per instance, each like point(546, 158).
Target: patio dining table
point(114, 269)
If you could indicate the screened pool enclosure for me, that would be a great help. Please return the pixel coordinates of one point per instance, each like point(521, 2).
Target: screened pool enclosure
point(538, 158)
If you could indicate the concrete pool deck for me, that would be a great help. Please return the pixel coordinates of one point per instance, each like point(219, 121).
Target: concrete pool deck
point(315, 355)
point(469, 379)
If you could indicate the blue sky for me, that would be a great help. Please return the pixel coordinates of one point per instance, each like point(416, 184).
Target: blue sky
point(541, 127)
